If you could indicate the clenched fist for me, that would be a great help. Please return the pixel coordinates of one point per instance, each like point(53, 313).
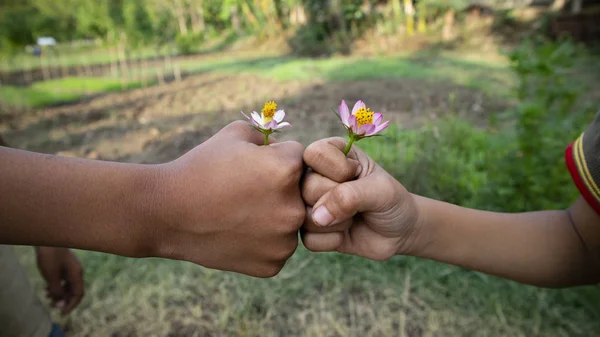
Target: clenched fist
point(354, 205)
point(63, 274)
point(232, 204)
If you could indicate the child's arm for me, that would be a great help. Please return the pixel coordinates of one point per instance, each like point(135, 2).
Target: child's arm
point(549, 248)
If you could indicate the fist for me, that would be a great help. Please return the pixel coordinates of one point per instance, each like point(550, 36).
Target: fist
point(353, 205)
point(233, 204)
point(63, 274)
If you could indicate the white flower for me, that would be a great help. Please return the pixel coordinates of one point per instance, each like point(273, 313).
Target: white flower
point(270, 119)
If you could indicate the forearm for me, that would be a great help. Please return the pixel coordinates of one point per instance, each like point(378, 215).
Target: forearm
point(539, 248)
point(52, 201)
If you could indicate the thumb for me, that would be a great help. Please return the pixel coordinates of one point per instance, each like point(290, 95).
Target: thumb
point(345, 200)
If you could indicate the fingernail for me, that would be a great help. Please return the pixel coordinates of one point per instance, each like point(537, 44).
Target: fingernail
point(358, 170)
point(322, 217)
point(60, 304)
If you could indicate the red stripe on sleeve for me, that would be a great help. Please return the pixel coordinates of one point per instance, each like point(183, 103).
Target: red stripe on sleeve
point(578, 181)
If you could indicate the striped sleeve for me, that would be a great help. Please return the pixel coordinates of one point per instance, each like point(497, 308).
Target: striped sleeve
point(583, 161)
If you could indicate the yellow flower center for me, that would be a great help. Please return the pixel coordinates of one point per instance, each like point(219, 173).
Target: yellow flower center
point(268, 111)
point(364, 116)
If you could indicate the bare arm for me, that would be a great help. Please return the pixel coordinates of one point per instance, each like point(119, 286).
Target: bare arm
point(52, 201)
point(547, 248)
point(212, 206)
point(374, 216)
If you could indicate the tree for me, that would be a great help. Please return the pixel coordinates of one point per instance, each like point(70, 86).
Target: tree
point(449, 7)
point(409, 11)
point(197, 15)
point(137, 22)
point(179, 10)
point(16, 30)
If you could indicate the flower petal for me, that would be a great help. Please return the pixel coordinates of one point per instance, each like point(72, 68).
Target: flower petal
point(377, 117)
point(352, 123)
point(283, 125)
point(344, 112)
point(359, 104)
point(381, 127)
point(279, 115)
point(258, 118)
point(272, 125)
point(251, 119)
point(366, 129)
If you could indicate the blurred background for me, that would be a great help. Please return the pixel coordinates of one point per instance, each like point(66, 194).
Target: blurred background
point(484, 96)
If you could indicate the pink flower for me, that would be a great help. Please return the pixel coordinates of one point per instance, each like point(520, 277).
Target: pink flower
point(363, 122)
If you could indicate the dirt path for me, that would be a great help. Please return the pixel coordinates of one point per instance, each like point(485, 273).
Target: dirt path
point(160, 123)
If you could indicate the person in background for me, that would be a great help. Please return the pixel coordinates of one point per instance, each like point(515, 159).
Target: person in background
point(355, 207)
point(22, 314)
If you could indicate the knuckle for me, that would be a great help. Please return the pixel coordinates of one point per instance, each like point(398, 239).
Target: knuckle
point(297, 147)
point(297, 216)
point(294, 171)
point(291, 247)
point(310, 244)
point(315, 153)
point(310, 187)
point(289, 223)
point(345, 197)
point(236, 124)
point(270, 270)
point(274, 172)
point(291, 170)
point(285, 253)
point(234, 127)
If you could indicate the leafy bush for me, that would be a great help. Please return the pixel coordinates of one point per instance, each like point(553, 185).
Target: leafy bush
point(546, 121)
point(331, 27)
point(448, 160)
point(188, 44)
point(310, 40)
point(520, 168)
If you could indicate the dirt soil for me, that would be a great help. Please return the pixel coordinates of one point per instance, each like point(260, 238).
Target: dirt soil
point(158, 124)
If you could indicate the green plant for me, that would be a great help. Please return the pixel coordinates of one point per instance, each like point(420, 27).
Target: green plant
point(189, 43)
point(446, 160)
point(518, 164)
point(310, 40)
point(535, 176)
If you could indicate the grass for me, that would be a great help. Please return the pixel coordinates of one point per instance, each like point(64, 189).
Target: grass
point(331, 294)
point(62, 90)
point(335, 295)
point(33, 98)
point(492, 79)
point(62, 56)
point(320, 294)
point(72, 57)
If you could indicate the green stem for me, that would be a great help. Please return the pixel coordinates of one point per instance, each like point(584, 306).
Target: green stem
point(349, 146)
point(266, 138)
